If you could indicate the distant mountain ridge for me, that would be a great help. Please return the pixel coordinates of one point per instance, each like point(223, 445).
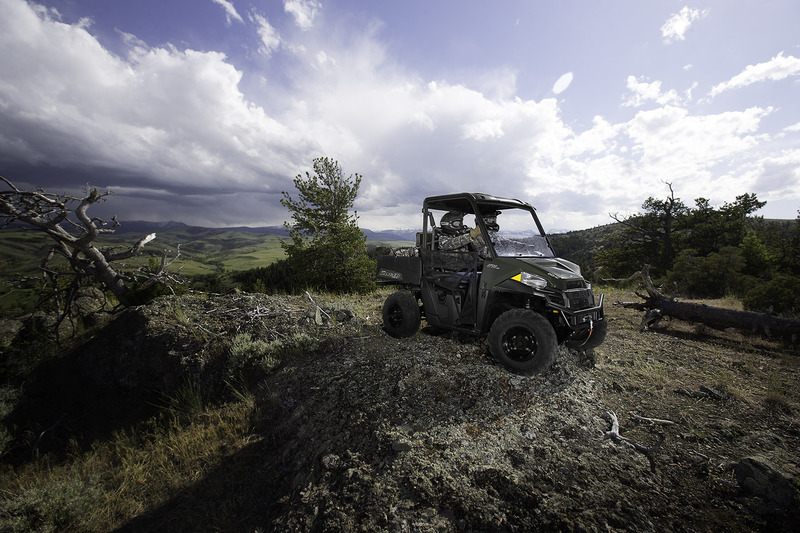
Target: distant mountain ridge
point(141, 226)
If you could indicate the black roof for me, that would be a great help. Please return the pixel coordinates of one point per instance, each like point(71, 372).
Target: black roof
point(464, 202)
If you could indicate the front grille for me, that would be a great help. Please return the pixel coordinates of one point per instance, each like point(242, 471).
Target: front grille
point(577, 319)
point(580, 298)
point(575, 284)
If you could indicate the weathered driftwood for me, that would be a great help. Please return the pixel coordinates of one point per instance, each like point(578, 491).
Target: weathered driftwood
point(656, 306)
point(614, 435)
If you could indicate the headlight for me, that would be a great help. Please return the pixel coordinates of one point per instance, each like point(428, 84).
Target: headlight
point(531, 280)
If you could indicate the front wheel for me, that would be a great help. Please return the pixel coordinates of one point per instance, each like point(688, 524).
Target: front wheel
point(401, 315)
point(523, 341)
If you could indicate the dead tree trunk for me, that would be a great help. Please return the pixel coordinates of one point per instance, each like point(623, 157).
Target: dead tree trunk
point(656, 305)
point(75, 242)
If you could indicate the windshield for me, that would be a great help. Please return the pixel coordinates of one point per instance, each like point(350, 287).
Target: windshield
point(513, 232)
point(518, 235)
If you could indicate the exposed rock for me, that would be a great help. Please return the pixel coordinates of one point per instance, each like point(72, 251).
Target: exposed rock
point(757, 478)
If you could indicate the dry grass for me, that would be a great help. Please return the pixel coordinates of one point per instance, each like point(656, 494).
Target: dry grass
point(135, 470)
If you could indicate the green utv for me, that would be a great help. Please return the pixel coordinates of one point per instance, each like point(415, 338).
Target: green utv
point(500, 277)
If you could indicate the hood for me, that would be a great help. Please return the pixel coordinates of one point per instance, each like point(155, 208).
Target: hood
point(556, 268)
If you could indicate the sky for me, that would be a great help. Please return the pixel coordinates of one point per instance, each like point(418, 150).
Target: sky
point(205, 111)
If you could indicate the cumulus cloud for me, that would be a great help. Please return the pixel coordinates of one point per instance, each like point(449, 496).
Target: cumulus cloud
point(779, 174)
point(172, 119)
point(175, 130)
point(776, 69)
point(675, 28)
point(601, 137)
point(678, 144)
point(303, 11)
point(230, 11)
point(485, 129)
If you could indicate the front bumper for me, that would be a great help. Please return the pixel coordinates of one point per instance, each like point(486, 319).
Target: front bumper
point(580, 319)
point(583, 322)
point(587, 327)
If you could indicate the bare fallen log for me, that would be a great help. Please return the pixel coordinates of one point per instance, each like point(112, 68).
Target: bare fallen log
point(656, 306)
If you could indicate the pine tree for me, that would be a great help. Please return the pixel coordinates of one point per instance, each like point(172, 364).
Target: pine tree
point(327, 249)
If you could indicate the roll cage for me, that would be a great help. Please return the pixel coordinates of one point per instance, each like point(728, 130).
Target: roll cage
point(533, 243)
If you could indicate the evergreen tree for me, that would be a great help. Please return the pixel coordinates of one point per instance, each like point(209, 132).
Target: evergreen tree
point(708, 230)
point(327, 249)
point(782, 240)
point(691, 244)
point(756, 255)
point(648, 237)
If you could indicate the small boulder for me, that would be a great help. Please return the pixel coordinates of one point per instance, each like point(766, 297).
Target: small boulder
point(757, 478)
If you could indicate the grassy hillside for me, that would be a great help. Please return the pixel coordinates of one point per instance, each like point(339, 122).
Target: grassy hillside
point(203, 251)
point(581, 246)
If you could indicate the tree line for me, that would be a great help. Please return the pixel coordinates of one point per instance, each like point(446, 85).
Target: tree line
point(700, 250)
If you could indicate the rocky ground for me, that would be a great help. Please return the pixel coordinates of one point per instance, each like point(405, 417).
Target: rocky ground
point(360, 431)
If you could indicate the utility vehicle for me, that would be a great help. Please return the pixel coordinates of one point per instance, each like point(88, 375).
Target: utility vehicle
point(506, 282)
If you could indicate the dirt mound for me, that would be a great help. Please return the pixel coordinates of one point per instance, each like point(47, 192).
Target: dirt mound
point(361, 431)
point(427, 434)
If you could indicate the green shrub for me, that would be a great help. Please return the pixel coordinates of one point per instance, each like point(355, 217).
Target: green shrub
point(247, 353)
point(714, 275)
point(300, 344)
point(755, 253)
point(216, 282)
point(274, 278)
point(781, 293)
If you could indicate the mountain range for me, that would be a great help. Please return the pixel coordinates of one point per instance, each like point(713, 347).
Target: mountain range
point(144, 227)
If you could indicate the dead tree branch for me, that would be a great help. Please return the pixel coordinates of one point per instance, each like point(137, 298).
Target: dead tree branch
point(613, 434)
point(74, 233)
point(704, 392)
point(652, 421)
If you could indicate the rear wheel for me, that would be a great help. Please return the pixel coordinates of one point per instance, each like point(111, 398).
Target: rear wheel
point(523, 341)
point(401, 315)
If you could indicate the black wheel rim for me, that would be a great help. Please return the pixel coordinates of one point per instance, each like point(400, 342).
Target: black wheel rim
point(519, 344)
point(395, 316)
